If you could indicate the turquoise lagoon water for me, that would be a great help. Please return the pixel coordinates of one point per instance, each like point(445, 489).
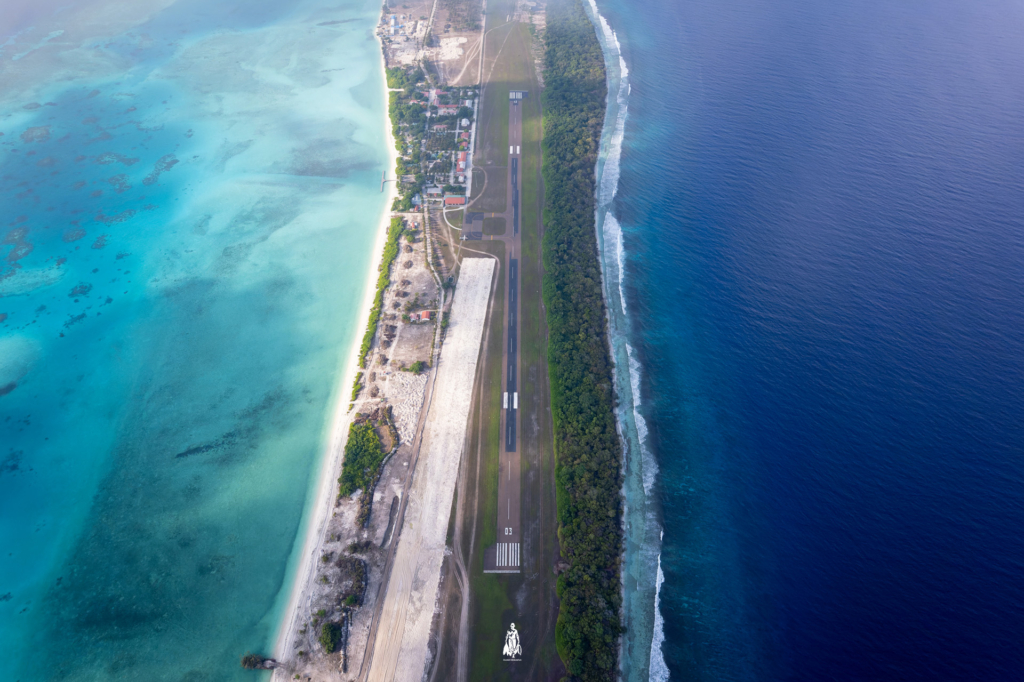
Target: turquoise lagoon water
point(189, 205)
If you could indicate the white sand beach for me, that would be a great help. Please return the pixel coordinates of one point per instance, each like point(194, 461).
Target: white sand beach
point(331, 463)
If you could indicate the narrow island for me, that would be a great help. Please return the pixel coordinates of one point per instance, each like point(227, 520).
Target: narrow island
point(476, 481)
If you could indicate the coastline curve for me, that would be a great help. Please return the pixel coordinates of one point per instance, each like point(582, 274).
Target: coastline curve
point(640, 656)
point(318, 514)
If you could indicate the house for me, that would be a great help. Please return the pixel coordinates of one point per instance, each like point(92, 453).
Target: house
point(434, 192)
point(422, 315)
point(465, 123)
point(464, 136)
point(447, 110)
point(455, 200)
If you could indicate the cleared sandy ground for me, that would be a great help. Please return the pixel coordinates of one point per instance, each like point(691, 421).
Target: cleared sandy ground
point(400, 651)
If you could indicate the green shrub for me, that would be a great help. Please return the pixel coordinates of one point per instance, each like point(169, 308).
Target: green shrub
point(383, 280)
point(360, 547)
point(330, 637)
point(252, 661)
point(363, 456)
point(357, 386)
point(353, 572)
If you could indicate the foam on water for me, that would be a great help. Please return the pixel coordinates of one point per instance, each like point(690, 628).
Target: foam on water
point(613, 236)
point(650, 465)
point(642, 546)
point(658, 669)
point(820, 209)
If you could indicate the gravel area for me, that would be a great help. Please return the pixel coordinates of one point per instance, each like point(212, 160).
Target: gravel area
point(401, 652)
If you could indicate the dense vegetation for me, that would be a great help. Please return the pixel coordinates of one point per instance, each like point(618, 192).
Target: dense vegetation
point(403, 78)
point(363, 455)
point(587, 447)
point(383, 280)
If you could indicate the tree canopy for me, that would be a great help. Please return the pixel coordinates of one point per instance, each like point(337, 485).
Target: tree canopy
point(588, 452)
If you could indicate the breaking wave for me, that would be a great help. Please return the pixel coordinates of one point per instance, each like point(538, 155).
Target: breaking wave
point(642, 577)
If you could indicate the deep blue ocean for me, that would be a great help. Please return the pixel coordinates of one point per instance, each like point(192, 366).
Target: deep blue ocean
point(822, 209)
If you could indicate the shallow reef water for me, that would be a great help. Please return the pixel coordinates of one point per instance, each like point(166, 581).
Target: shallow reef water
point(189, 205)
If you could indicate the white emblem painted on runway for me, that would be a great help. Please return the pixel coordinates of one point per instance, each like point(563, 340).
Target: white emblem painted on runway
point(512, 651)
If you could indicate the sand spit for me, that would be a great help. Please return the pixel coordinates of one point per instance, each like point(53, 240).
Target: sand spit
point(400, 650)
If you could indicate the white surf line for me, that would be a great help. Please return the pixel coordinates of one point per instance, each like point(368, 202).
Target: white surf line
point(638, 523)
point(400, 650)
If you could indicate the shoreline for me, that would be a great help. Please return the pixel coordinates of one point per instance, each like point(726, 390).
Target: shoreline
point(330, 465)
point(640, 658)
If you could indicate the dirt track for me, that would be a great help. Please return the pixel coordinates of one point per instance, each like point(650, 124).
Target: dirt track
point(400, 649)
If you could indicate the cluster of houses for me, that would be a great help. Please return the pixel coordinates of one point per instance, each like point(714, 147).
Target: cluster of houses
point(396, 25)
point(462, 161)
